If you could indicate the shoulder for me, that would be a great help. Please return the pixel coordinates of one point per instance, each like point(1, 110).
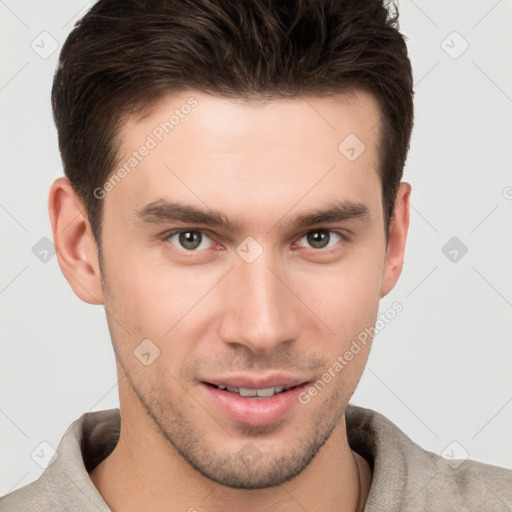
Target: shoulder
point(65, 483)
point(475, 485)
point(406, 477)
point(33, 497)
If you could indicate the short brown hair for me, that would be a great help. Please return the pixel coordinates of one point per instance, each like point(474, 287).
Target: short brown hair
point(123, 53)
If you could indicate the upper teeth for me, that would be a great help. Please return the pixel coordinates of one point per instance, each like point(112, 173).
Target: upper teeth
point(254, 392)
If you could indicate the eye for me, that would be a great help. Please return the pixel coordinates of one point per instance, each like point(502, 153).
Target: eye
point(191, 240)
point(322, 238)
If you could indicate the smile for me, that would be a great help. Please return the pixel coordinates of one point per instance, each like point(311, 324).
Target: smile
point(254, 401)
point(262, 392)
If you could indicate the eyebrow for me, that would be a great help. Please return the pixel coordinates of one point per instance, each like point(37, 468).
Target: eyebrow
point(163, 211)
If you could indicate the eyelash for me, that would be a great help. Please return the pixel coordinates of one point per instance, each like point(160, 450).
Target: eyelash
point(343, 239)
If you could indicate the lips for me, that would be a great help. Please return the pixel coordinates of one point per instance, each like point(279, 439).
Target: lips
point(254, 401)
point(253, 382)
point(262, 393)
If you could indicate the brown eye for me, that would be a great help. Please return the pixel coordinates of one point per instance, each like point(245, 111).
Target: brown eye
point(321, 238)
point(190, 240)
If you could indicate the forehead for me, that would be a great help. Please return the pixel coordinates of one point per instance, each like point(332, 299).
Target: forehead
point(262, 157)
point(231, 122)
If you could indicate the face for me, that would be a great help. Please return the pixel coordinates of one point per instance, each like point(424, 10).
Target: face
point(243, 253)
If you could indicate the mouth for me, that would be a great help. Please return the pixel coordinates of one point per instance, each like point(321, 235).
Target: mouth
point(254, 402)
point(253, 393)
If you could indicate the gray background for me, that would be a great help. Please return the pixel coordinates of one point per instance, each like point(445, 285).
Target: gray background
point(441, 369)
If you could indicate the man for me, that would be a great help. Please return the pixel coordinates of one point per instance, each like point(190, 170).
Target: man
point(233, 197)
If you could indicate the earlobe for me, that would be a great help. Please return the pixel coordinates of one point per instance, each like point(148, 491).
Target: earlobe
point(75, 246)
point(397, 238)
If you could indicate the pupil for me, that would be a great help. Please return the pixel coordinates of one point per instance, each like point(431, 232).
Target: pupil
point(190, 239)
point(318, 239)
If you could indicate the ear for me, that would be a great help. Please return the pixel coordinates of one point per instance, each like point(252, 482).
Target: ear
point(398, 228)
point(75, 246)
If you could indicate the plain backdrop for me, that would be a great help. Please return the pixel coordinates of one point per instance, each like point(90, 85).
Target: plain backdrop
point(441, 370)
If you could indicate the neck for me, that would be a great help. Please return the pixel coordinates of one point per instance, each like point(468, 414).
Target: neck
point(144, 472)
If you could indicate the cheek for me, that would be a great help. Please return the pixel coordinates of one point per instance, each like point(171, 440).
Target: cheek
point(156, 301)
point(345, 295)
point(144, 290)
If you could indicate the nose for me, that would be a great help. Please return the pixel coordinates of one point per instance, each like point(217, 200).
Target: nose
point(259, 309)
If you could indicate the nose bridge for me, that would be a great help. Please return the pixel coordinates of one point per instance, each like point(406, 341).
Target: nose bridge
point(260, 311)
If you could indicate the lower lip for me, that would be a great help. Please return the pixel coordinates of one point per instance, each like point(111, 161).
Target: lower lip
point(254, 411)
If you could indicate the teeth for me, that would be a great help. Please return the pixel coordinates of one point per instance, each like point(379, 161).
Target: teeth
point(246, 392)
point(266, 392)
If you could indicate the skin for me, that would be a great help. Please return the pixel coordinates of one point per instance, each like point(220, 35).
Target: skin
point(294, 309)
